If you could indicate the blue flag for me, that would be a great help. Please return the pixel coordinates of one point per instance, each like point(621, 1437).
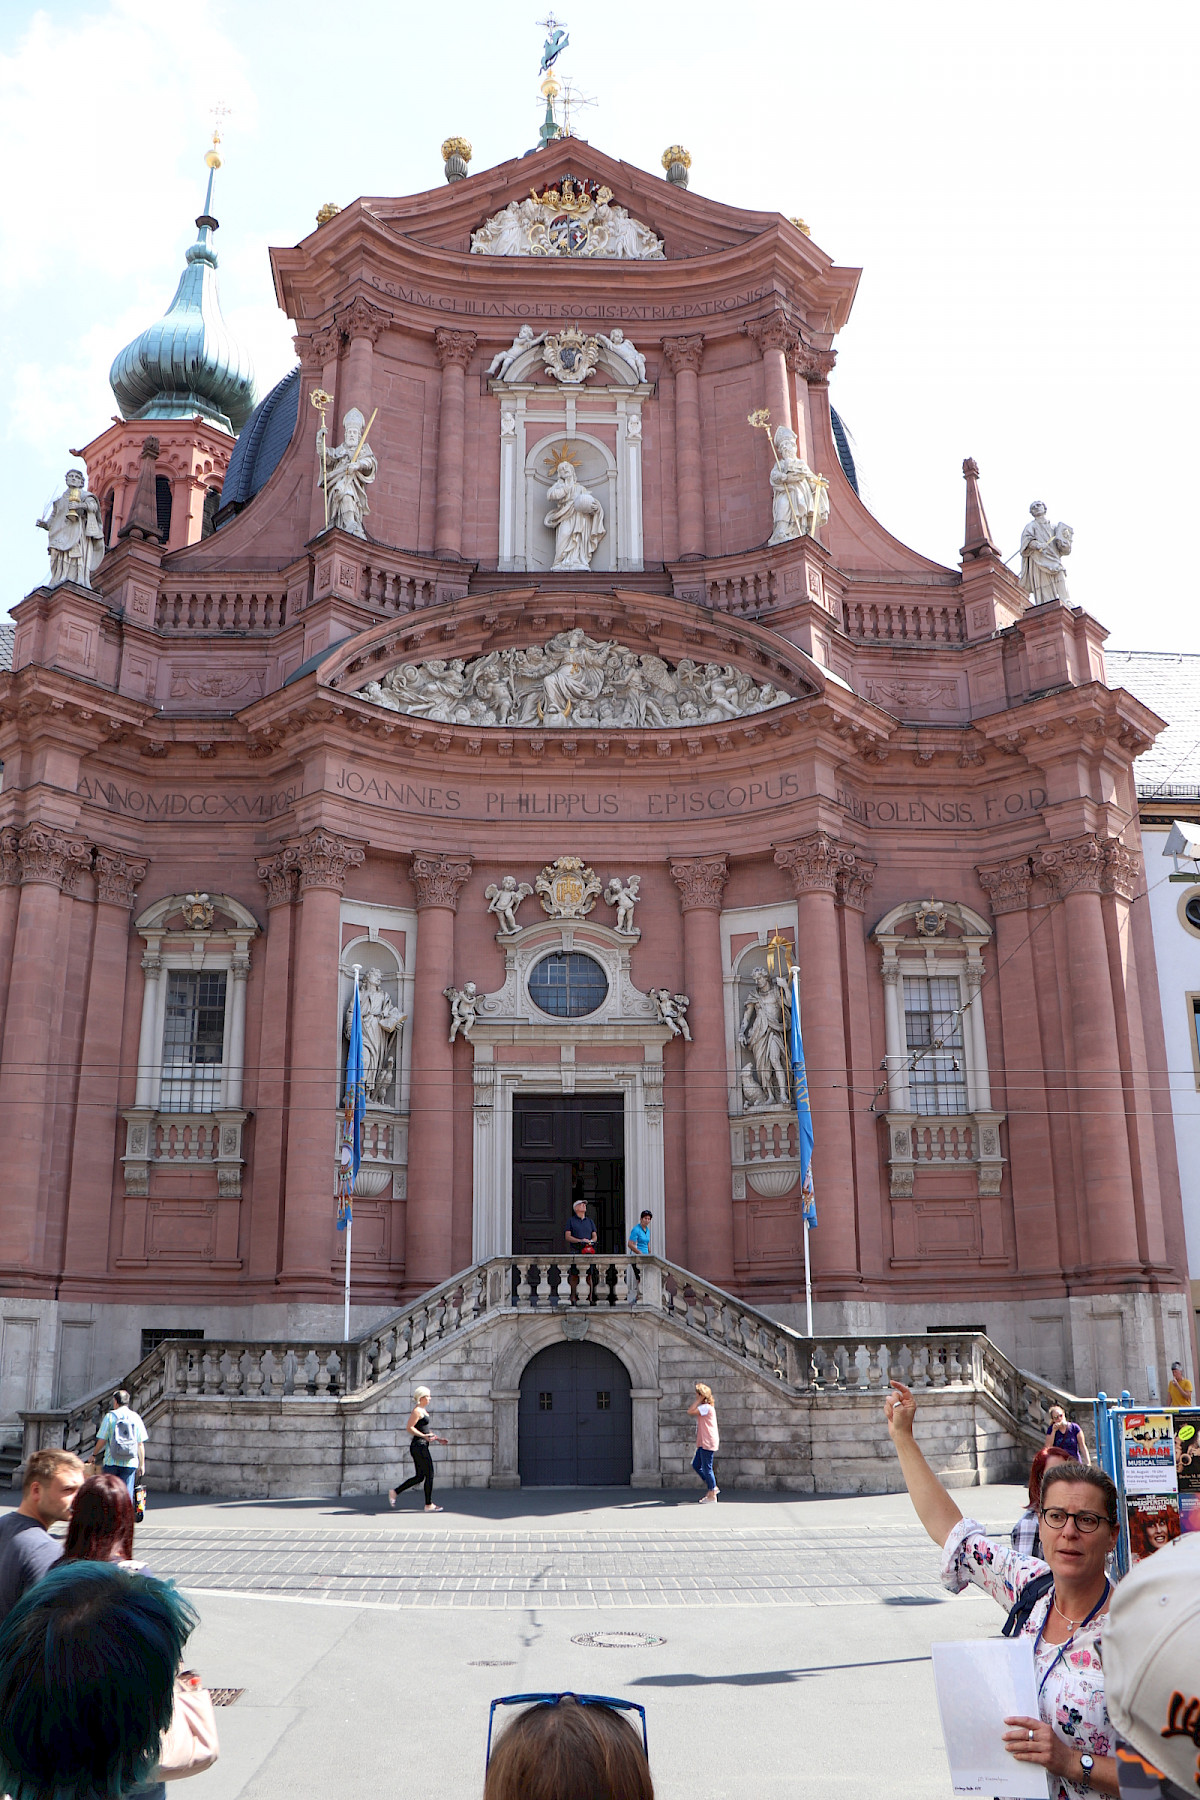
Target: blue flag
point(803, 1109)
point(352, 1119)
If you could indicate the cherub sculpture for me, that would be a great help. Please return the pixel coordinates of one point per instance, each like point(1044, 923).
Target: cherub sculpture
point(672, 1012)
point(624, 896)
point(464, 1004)
point(503, 900)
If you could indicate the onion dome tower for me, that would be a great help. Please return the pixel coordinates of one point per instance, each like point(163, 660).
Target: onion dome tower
point(187, 363)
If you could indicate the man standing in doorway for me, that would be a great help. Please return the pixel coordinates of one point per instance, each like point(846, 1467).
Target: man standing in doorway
point(639, 1245)
point(581, 1231)
point(52, 1479)
point(123, 1436)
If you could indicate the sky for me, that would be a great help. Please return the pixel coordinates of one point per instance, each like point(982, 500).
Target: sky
point(1016, 181)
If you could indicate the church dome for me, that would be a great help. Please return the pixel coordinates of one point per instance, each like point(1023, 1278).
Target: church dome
point(261, 442)
point(187, 362)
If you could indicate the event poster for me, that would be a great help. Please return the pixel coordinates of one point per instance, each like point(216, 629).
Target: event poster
point(1149, 1454)
point(1154, 1522)
point(1187, 1468)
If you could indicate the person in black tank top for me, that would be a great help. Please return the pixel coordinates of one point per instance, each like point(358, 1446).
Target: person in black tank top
point(419, 1439)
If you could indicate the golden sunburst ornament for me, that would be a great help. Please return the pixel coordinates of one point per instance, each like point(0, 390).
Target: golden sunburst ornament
point(562, 454)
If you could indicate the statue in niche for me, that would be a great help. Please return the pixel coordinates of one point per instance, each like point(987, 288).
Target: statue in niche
point(503, 900)
point(76, 534)
point(799, 498)
point(622, 347)
point(381, 1021)
point(347, 471)
point(672, 1012)
point(624, 896)
point(464, 1004)
point(764, 1032)
point(1043, 547)
point(503, 360)
point(576, 518)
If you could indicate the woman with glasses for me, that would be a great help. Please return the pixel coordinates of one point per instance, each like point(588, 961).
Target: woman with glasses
point(1072, 1737)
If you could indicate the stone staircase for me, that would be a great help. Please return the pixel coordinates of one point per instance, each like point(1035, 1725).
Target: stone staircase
point(316, 1416)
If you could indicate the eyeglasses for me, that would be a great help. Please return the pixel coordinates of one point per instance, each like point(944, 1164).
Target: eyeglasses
point(553, 1700)
point(1056, 1518)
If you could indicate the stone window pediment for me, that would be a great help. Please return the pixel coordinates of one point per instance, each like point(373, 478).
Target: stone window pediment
point(623, 1010)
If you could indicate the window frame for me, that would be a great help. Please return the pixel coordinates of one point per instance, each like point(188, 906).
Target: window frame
point(923, 1077)
point(214, 1083)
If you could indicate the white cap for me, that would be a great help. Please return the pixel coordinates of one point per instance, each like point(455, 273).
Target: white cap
point(1152, 1660)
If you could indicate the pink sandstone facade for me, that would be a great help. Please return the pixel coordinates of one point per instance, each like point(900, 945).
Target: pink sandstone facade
point(943, 807)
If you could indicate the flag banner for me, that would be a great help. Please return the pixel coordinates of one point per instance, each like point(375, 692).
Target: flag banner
point(352, 1119)
point(803, 1109)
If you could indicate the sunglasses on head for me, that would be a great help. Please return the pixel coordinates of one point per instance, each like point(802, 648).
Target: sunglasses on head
point(630, 1706)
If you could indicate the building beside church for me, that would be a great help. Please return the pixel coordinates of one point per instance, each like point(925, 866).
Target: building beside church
point(566, 704)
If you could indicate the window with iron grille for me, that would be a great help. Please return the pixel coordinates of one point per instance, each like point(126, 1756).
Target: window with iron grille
point(193, 1041)
point(937, 1070)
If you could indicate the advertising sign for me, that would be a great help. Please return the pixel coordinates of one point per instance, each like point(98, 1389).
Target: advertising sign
point(1149, 1454)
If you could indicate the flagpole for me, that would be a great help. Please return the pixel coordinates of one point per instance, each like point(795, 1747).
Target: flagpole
point(807, 1280)
point(350, 1220)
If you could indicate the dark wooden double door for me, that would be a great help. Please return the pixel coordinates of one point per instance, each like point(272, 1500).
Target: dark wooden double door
point(575, 1419)
point(567, 1147)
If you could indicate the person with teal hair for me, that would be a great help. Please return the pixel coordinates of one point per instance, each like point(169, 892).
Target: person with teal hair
point(88, 1659)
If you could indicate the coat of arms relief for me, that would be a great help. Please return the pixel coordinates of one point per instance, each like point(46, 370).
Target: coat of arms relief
point(577, 218)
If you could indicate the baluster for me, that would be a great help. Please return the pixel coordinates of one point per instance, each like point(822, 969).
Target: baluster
point(563, 1295)
point(745, 1334)
point(233, 1374)
point(523, 1288)
point(621, 1286)
point(420, 1329)
point(210, 1372)
point(195, 1362)
point(334, 1373)
point(453, 1312)
point(277, 1354)
point(920, 1367)
point(382, 1351)
point(954, 1370)
point(829, 1362)
point(937, 1365)
point(543, 1285)
point(472, 1295)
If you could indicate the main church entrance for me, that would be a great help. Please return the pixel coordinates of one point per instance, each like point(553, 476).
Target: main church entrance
point(567, 1147)
point(575, 1419)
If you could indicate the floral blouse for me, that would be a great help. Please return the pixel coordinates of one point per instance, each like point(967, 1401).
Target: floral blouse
point(1070, 1676)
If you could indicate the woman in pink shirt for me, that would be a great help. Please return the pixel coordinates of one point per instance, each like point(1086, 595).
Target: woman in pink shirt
point(708, 1440)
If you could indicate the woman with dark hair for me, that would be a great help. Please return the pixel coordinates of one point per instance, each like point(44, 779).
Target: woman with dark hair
point(87, 1682)
point(1072, 1738)
point(101, 1528)
point(1025, 1539)
point(565, 1751)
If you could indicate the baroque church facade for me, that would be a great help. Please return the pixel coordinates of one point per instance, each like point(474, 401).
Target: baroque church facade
point(529, 657)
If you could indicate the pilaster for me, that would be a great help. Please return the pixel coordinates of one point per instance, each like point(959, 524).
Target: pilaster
point(438, 881)
point(683, 357)
point(701, 883)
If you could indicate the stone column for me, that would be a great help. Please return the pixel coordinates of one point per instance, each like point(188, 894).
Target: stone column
point(856, 876)
point(10, 900)
point(30, 1049)
point(701, 883)
point(683, 356)
point(454, 351)
point(776, 340)
point(269, 1097)
point(1122, 881)
point(438, 881)
point(361, 324)
point(1077, 869)
point(1030, 1151)
point(97, 1117)
point(814, 864)
point(323, 862)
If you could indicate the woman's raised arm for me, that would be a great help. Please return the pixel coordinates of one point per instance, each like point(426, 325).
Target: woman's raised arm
point(934, 1507)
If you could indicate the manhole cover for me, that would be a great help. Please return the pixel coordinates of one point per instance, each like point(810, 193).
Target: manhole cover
point(225, 1696)
point(491, 1665)
point(618, 1640)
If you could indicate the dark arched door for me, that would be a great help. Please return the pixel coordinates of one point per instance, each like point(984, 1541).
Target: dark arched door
point(575, 1419)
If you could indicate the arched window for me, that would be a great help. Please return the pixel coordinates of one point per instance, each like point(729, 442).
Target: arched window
point(162, 500)
point(106, 508)
point(212, 506)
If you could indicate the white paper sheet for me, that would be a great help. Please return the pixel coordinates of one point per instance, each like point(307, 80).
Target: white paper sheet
point(980, 1683)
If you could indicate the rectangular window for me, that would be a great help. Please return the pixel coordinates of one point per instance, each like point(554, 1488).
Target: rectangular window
point(603, 1399)
point(193, 1041)
point(154, 1335)
point(937, 1071)
point(546, 1402)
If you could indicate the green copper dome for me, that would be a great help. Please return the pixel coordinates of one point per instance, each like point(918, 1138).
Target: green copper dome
point(187, 362)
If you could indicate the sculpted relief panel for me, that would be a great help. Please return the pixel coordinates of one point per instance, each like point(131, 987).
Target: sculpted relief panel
point(572, 681)
point(576, 218)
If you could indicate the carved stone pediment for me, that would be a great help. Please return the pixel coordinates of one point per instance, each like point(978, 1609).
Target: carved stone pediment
point(573, 681)
point(576, 218)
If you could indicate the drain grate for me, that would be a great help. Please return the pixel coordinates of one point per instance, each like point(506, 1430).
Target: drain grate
point(618, 1640)
point(491, 1665)
point(225, 1696)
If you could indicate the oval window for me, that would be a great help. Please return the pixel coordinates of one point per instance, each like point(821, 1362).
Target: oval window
point(1191, 911)
point(568, 985)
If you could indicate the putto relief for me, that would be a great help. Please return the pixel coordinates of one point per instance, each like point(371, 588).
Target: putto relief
point(577, 218)
point(572, 681)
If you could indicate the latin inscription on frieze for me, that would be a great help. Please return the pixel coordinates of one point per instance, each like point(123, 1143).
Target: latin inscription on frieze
point(144, 803)
point(547, 309)
point(986, 807)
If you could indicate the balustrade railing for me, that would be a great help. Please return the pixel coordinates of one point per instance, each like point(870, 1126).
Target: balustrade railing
point(243, 609)
point(320, 1369)
point(905, 621)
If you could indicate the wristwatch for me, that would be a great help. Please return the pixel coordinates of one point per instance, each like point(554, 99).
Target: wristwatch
point(1087, 1764)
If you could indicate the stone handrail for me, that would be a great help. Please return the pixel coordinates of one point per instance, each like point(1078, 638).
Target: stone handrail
point(905, 621)
point(252, 607)
point(237, 1369)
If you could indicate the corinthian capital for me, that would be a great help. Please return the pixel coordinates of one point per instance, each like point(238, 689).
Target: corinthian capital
point(10, 861)
point(813, 863)
point(773, 332)
point(1006, 884)
point(854, 877)
point(362, 320)
point(325, 860)
point(1076, 867)
point(1122, 869)
point(279, 873)
point(454, 348)
point(50, 856)
point(684, 353)
point(324, 344)
point(814, 365)
point(701, 882)
point(117, 877)
point(439, 879)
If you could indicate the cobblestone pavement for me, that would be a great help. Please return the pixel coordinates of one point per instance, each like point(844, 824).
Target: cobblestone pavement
point(720, 1565)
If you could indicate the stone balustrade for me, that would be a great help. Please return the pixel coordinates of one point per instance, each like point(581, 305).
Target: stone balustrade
point(320, 1370)
point(252, 609)
point(905, 621)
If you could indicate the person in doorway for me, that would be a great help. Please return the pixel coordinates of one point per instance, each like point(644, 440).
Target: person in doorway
point(1179, 1388)
point(1063, 1434)
point(581, 1230)
point(123, 1437)
point(708, 1440)
point(419, 1439)
point(51, 1481)
point(1072, 1738)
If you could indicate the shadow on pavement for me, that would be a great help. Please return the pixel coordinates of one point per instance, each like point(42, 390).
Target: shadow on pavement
point(766, 1677)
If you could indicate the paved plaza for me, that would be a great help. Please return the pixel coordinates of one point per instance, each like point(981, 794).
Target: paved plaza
point(780, 1645)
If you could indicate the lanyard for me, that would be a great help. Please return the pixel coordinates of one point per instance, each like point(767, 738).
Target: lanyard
point(1069, 1641)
